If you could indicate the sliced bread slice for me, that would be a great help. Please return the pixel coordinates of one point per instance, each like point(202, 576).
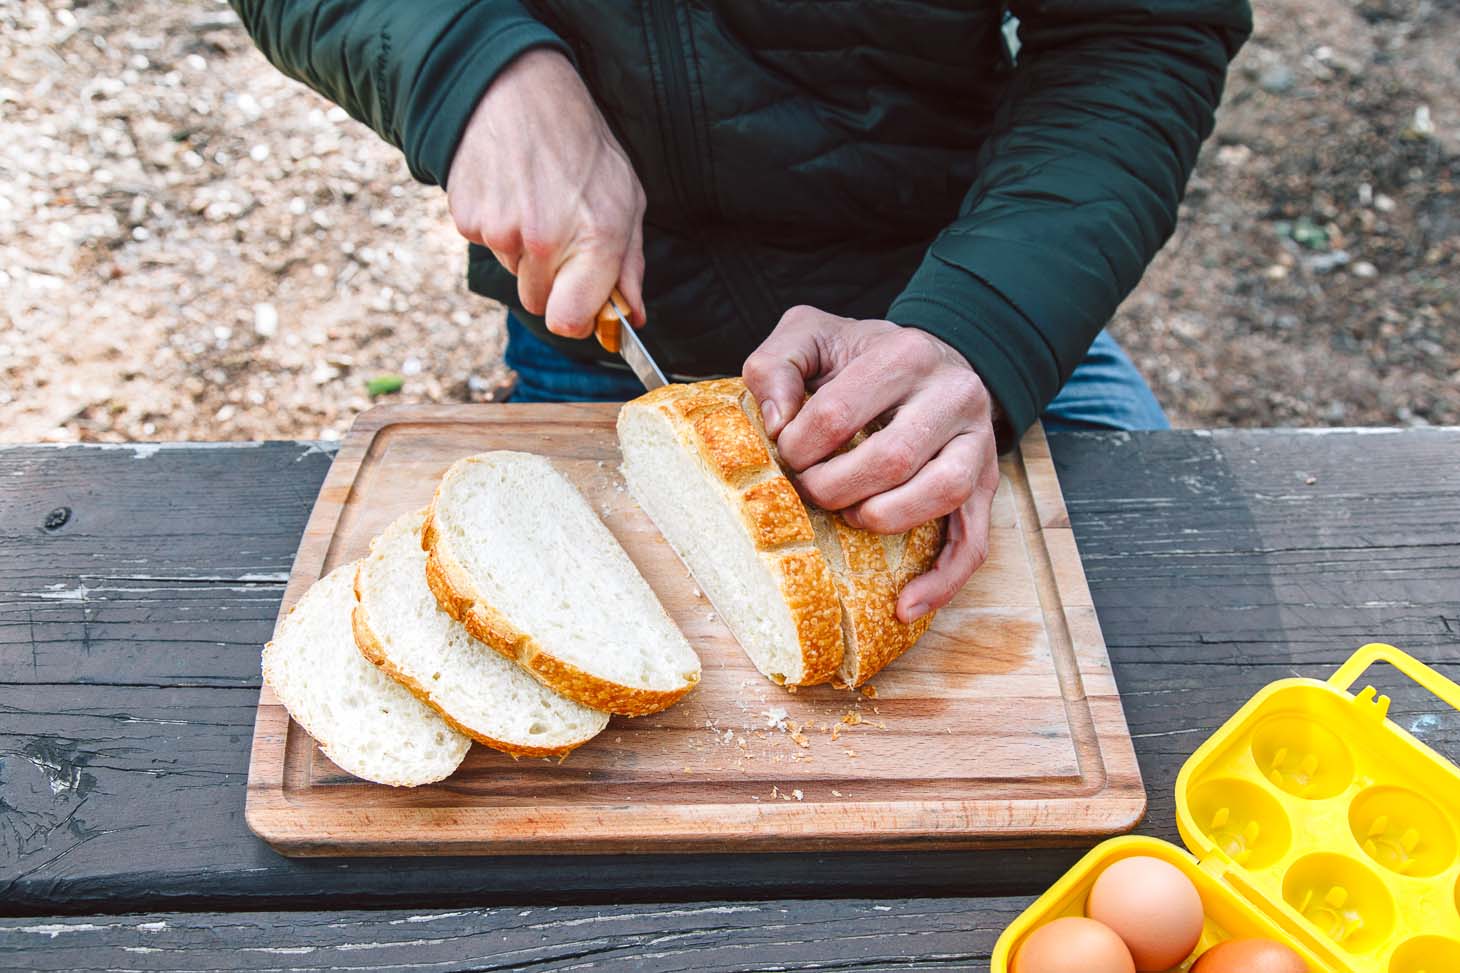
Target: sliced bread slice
point(698, 462)
point(870, 570)
point(809, 597)
point(366, 722)
point(517, 556)
point(400, 628)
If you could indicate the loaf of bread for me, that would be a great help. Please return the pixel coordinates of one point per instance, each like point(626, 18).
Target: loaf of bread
point(366, 722)
point(516, 555)
point(400, 628)
point(810, 598)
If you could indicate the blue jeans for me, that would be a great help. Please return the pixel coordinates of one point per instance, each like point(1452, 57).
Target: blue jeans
point(1105, 392)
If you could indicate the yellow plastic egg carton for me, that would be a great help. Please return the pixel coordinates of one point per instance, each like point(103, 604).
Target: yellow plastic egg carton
point(1312, 820)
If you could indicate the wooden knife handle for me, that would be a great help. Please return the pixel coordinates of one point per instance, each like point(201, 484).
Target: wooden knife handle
point(606, 328)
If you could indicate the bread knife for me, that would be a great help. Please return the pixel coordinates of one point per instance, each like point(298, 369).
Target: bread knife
point(615, 334)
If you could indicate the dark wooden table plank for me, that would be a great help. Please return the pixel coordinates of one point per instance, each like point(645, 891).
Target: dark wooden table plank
point(129, 666)
point(859, 934)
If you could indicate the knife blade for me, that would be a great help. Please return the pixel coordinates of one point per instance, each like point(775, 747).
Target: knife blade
point(616, 335)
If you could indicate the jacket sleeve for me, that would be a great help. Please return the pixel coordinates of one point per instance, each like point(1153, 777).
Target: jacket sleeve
point(411, 71)
point(1078, 186)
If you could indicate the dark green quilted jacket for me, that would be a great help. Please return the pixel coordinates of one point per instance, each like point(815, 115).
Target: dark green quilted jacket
point(879, 159)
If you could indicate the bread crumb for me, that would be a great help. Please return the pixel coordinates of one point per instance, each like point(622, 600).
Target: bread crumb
point(687, 770)
point(618, 739)
point(852, 717)
point(838, 684)
point(851, 753)
point(836, 731)
point(800, 740)
point(870, 691)
point(797, 794)
point(791, 689)
point(835, 792)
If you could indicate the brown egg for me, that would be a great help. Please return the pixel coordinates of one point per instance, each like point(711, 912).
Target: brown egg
point(1250, 956)
point(1152, 906)
point(1073, 945)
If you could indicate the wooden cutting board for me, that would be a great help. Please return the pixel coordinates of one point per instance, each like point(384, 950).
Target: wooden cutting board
point(1002, 725)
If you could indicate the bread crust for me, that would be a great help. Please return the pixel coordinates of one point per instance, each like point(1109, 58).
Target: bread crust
point(373, 650)
point(870, 572)
point(458, 597)
point(840, 583)
point(721, 421)
point(326, 746)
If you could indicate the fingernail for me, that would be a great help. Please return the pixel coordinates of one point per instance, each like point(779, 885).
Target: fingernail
point(852, 517)
point(917, 611)
point(772, 416)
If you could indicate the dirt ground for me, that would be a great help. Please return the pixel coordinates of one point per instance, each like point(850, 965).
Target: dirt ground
point(194, 247)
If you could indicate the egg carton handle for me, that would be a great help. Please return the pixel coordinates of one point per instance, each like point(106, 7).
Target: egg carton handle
point(1358, 663)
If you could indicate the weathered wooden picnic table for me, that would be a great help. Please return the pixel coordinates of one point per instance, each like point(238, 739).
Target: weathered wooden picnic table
point(137, 583)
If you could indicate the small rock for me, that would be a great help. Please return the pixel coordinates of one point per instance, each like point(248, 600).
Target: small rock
point(1364, 269)
point(1422, 125)
point(1276, 79)
point(477, 384)
point(265, 320)
point(1236, 156)
point(411, 366)
point(324, 373)
point(1324, 262)
point(1384, 204)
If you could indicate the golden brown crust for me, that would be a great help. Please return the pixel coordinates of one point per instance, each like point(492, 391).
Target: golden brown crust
point(805, 580)
point(841, 583)
point(776, 515)
point(457, 596)
point(871, 571)
point(721, 422)
point(374, 652)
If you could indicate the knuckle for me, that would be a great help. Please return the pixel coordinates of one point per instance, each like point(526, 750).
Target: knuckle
point(757, 368)
point(909, 346)
point(967, 391)
point(798, 316)
point(950, 490)
point(898, 459)
point(537, 242)
point(831, 418)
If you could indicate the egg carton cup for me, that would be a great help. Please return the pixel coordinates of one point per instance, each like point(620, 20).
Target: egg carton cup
point(1335, 819)
point(1311, 820)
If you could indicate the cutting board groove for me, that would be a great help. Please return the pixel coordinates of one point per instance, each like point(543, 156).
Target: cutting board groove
point(1003, 725)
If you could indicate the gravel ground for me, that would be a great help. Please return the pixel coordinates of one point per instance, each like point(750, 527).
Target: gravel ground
point(194, 247)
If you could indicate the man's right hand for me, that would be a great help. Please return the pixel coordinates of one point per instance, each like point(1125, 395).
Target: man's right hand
point(540, 181)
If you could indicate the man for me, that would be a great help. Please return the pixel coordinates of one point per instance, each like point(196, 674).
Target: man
point(941, 229)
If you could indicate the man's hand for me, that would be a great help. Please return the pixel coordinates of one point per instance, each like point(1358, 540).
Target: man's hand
point(541, 182)
point(934, 455)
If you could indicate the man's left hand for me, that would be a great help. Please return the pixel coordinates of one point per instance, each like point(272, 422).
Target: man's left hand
point(935, 453)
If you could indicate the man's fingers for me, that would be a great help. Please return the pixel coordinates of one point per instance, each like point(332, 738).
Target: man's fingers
point(964, 551)
point(939, 488)
point(886, 459)
point(579, 290)
point(869, 385)
point(631, 276)
point(534, 281)
point(777, 372)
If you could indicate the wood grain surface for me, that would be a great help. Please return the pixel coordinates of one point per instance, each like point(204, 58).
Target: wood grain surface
point(1008, 699)
point(129, 640)
point(862, 935)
